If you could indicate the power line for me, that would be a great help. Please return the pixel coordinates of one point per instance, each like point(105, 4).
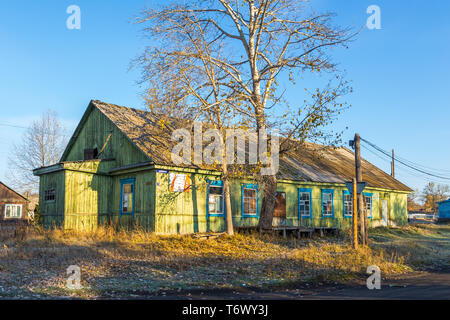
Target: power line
point(12, 125)
point(403, 170)
point(405, 162)
point(375, 154)
point(436, 171)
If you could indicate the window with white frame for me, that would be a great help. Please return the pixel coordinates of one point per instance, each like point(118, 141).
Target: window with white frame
point(327, 203)
point(348, 204)
point(215, 200)
point(250, 198)
point(368, 205)
point(13, 211)
point(304, 197)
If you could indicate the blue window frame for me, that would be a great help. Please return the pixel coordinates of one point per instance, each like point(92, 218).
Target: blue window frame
point(127, 196)
point(249, 201)
point(368, 204)
point(304, 203)
point(215, 204)
point(347, 204)
point(327, 203)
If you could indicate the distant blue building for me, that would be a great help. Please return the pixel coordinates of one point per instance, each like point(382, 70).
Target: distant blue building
point(444, 210)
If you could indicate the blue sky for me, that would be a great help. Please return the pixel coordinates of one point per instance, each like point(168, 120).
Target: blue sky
point(400, 73)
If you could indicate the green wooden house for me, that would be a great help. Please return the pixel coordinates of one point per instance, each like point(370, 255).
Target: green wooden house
point(117, 169)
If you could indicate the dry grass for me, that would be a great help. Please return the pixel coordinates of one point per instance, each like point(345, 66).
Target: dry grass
point(123, 264)
point(421, 245)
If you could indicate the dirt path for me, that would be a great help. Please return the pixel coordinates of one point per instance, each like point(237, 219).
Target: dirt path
point(418, 285)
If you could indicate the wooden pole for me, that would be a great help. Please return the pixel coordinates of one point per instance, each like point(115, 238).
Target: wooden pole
point(361, 212)
point(393, 164)
point(355, 216)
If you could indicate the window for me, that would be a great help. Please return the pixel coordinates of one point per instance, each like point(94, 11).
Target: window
point(49, 195)
point(348, 204)
point(127, 196)
point(368, 204)
point(304, 203)
point(13, 211)
point(215, 198)
point(280, 205)
point(250, 200)
point(327, 203)
point(90, 154)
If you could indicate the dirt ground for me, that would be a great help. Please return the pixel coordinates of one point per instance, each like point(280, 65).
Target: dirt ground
point(413, 286)
point(414, 263)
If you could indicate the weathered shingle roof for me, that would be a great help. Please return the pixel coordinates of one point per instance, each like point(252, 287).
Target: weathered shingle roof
point(314, 163)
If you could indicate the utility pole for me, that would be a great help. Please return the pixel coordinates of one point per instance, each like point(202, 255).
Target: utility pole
point(355, 215)
point(393, 164)
point(361, 212)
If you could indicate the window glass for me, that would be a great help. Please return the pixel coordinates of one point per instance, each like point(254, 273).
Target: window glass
point(305, 203)
point(368, 205)
point(250, 198)
point(280, 205)
point(348, 204)
point(327, 203)
point(127, 198)
point(13, 211)
point(49, 195)
point(215, 201)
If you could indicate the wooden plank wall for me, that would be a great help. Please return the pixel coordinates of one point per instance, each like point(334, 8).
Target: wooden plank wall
point(94, 134)
point(52, 211)
point(185, 212)
point(144, 215)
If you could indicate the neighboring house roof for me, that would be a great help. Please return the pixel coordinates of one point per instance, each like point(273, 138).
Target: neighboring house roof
point(315, 163)
point(11, 190)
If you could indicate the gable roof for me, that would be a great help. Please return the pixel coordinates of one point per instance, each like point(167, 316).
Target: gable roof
point(315, 163)
point(11, 191)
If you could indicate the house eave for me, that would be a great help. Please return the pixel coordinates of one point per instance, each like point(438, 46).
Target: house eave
point(48, 169)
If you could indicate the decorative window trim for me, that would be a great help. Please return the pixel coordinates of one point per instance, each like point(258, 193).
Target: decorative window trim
point(215, 183)
point(14, 205)
point(305, 190)
point(122, 183)
point(369, 195)
point(332, 202)
point(250, 186)
point(346, 215)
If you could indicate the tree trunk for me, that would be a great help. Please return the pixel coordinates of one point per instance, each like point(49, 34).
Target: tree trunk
point(268, 182)
point(226, 190)
point(361, 210)
point(269, 185)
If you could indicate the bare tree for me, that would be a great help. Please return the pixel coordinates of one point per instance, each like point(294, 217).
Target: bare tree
point(256, 45)
point(185, 83)
point(42, 145)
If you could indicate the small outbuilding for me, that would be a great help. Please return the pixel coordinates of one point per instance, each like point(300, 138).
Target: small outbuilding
point(13, 206)
point(444, 211)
